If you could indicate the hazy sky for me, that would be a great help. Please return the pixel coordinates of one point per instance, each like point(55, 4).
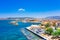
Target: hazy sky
point(29, 8)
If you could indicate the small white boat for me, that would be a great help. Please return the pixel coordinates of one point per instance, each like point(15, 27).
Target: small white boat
point(14, 23)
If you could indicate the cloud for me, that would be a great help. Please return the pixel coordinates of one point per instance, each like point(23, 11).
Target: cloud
point(21, 9)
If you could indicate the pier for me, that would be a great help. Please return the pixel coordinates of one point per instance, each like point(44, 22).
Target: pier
point(31, 36)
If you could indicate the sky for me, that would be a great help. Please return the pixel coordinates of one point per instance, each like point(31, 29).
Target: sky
point(29, 8)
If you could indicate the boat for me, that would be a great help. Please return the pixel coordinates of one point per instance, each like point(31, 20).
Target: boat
point(14, 23)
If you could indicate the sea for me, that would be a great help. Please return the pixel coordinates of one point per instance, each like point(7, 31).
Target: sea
point(12, 32)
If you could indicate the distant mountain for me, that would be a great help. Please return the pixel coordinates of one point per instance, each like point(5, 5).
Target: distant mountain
point(53, 17)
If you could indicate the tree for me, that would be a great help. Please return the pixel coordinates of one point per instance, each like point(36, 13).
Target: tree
point(58, 30)
point(56, 33)
point(47, 25)
point(49, 30)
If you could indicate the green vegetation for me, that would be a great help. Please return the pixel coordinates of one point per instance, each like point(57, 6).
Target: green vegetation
point(49, 30)
point(47, 25)
point(56, 33)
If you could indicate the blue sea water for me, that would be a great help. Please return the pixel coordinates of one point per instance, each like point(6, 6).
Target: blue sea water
point(12, 32)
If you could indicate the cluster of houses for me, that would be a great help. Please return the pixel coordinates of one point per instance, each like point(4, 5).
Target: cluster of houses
point(51, 21)
point(39, 29)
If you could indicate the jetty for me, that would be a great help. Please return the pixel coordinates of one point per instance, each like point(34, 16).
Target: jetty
point(29, 35)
